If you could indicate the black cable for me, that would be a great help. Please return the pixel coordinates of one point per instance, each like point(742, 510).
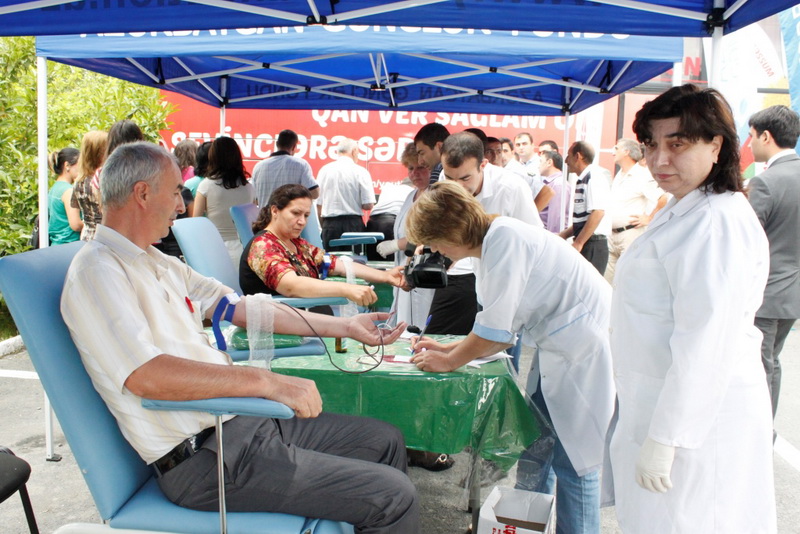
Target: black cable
point(378, 361)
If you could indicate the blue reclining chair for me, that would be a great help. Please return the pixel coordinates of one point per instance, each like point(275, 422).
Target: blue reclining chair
point(244, 215)
point(313, 234)
point(205, 252)
point(123, 486)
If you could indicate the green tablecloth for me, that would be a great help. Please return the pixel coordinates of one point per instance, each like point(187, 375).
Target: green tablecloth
point(444, 412)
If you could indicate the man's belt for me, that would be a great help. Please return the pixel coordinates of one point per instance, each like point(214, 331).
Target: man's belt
point(624, 228)
point(182, 451)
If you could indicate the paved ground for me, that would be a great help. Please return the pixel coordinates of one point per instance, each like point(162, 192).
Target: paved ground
point(60, 496)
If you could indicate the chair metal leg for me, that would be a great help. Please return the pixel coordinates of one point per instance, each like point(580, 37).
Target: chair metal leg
point(26, 505)
point(50, 455)
point(223, 520)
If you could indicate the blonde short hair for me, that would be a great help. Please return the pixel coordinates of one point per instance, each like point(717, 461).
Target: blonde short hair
point(447, 213)
point(409, 156)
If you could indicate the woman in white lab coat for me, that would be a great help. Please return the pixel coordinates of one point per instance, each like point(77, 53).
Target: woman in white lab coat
point(531, 282)
point(412, 306)
point(692, 450)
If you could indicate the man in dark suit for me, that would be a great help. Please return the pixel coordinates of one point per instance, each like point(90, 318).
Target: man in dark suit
point(775, 197)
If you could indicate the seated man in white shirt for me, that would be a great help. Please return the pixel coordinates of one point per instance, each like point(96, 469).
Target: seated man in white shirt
point(136, 318)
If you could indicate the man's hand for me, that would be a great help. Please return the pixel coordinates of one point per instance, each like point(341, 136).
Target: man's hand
point(577, 246)
point(433, 361)
point(299, 394)
point(640, 220)
point(364, 327)
point(654, 466)
point(361, 295)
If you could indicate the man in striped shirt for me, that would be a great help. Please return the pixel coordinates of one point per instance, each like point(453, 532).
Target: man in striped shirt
point(590, 223)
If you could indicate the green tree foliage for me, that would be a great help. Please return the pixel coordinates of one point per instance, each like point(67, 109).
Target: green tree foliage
point(78, 101)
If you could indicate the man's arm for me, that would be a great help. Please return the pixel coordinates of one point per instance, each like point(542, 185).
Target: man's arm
point(644, 220)
point(588, 229)
point(543, 198)
point(168, 377)
point(361, 327)
point(308, 180)
point(760, 198)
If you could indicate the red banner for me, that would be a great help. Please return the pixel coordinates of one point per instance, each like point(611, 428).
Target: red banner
point(381, 135)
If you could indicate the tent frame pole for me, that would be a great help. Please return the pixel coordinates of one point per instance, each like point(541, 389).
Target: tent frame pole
point(714, 77)
point(565, 170)
point(44, 227)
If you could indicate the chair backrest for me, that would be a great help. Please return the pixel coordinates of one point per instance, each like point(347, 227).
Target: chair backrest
point(313, 231)
point(31, 283)
point(205, 251)
point(244, 215)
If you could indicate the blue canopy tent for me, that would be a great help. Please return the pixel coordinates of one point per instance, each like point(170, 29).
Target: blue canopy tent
point(640, 17)
point(416, 69)
point(687, 18)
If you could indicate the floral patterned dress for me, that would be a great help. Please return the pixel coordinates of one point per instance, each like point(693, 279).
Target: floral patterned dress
point(266, 260)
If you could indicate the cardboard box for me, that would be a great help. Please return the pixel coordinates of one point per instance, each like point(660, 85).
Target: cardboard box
point(513, 511)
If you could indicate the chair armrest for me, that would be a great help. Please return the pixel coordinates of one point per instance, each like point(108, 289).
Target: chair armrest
point(347, 241)
point(225, 406)
point(376, 235)
point(310, 302)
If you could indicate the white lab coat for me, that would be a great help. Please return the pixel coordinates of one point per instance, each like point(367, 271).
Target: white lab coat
point(410, 306)
point(532, 282)
point(688, 369)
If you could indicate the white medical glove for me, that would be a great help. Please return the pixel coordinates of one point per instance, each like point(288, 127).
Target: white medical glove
point(654, 465)
point(387, 248)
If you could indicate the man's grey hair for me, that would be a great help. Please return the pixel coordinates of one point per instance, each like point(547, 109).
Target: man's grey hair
point(633, 148)
point(131, 163)
point(346, 146)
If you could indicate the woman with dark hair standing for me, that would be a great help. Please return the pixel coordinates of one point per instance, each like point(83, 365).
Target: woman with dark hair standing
point(278, 261)
point(692, 450)
point(226, 185)
point(85, 194)
point(200, 168)
point(63, 226)
point(121, 132)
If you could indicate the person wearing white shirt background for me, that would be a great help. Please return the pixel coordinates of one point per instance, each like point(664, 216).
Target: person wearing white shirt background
point(531, 283)
point(635, 199)
point(345, 190)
